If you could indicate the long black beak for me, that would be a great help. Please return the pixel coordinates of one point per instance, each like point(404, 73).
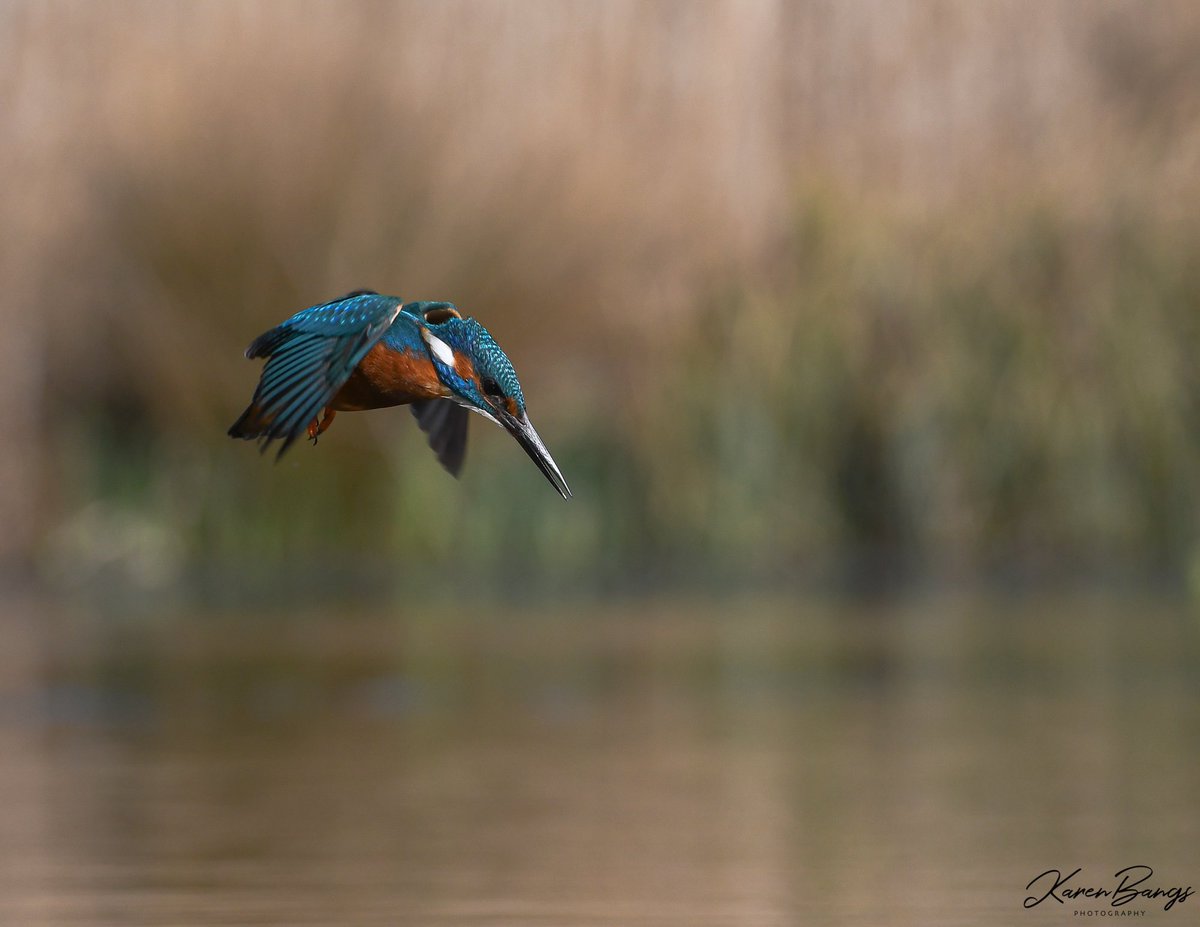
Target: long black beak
point(520, 429)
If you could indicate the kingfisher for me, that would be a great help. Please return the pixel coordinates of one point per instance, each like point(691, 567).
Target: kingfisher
point(369, 351)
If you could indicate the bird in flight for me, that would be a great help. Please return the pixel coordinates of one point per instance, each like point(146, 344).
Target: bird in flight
point(368, 351)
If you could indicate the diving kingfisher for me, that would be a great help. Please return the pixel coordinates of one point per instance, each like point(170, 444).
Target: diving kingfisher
point(367, 351)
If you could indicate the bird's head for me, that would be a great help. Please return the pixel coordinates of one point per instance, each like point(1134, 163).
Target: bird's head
point(481, 378)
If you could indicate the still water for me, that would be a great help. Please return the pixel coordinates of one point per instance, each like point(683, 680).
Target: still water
point(663, 763)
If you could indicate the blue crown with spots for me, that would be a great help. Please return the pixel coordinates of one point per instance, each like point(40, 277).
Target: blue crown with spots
point(467, 336)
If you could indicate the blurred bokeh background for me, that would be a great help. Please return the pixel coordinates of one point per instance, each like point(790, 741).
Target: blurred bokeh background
point(808, 299)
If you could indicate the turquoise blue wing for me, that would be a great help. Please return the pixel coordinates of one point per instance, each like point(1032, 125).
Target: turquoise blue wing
point(309, 358)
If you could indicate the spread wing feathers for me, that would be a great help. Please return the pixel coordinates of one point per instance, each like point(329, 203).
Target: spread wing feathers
point(309, 358)
point(445, 421)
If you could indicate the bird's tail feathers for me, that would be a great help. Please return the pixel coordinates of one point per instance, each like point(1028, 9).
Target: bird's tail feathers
point(252, 424)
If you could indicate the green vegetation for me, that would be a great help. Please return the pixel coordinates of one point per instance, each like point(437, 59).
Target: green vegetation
point(930, 394)
point(957, 394)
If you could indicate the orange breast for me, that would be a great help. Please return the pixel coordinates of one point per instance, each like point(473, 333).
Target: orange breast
point(388, 378)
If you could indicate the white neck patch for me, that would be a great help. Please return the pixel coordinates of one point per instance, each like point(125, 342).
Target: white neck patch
point(440, 350)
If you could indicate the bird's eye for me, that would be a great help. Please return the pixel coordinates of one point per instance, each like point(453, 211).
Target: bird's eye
point(491, 387)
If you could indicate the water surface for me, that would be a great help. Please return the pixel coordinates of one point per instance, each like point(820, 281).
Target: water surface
point(787, 762)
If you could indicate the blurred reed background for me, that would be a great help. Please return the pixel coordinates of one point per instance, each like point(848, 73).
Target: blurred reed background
point(865, 288)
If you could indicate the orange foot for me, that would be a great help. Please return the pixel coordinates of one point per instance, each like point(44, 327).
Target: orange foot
point(316, 429)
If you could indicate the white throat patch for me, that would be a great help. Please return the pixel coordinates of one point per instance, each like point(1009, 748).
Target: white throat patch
point(442, 351)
